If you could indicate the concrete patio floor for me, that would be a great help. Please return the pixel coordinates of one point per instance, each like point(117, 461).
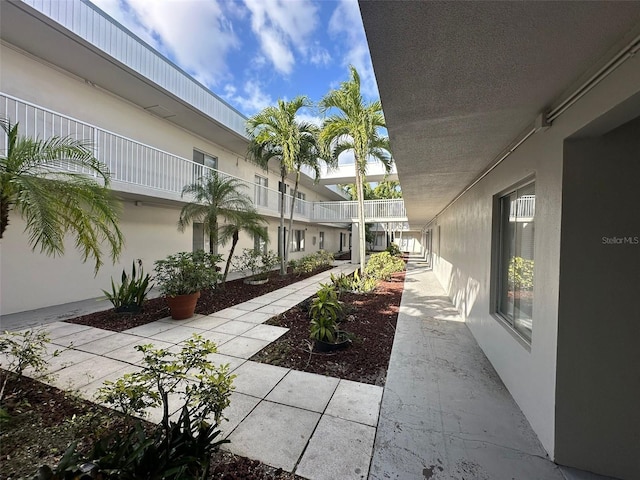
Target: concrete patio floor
point(443, 414)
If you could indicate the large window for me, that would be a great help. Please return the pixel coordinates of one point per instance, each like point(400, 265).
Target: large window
point(260, 193)
point(259, 245)
point(321, 242)
point(515, 258)
point(203, 160)
point(198, 236)
point(297, 241)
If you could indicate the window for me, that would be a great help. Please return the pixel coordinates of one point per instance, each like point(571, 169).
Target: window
point(515, 258)
point(201, 159)
point(297, 241)
point(300, 202)
point(260, 193)
point(198, 236)
point(259, 245)
point(321, 241)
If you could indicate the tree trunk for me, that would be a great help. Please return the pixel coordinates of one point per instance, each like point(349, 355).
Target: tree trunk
point(293, 202)
point(283, 265)
point(234, 242)
point(361, 229)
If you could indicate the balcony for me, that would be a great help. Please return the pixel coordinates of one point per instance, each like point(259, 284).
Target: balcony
point(141, 169)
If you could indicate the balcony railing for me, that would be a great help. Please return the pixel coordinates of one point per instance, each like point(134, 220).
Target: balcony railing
point(134, 163)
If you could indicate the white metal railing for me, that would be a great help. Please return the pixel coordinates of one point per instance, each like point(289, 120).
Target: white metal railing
point(135, 163)
point(523, 209)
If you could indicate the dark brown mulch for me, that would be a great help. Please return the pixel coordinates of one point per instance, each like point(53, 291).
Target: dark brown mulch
point(210, 301)
point(370, 318)
point(44, 421)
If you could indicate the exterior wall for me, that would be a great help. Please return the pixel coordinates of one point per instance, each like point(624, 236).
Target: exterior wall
point(597, 381)
point(462, 248)
point(32, 280)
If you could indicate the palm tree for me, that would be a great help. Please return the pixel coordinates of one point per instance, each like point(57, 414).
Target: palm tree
point(36, 183)
point(308, 156)
point(354, 126)
point(216, 196)
point(276, 134)
point(249, 221)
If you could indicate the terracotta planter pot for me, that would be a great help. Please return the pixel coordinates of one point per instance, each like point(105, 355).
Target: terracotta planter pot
point(183, 306)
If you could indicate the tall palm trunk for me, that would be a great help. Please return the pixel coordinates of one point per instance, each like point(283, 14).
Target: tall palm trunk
point(361, 229)
point(293, 203)
point(281, 237)
point(234, 242)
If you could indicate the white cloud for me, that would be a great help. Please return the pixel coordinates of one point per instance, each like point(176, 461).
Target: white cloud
point(310, 118)
point(198, 35)
point(283, 27)
point(346, 24)
point(252, 99)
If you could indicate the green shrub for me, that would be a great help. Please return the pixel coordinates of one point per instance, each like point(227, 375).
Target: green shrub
point(324, 312)
point(312, 262)
point(187, 272)
point(174, 449)
point(259, 263)
point(382, 265)
point(394, 250)
point(133, 290)
point(342, 283)
point(363, 284)
point(521, 273)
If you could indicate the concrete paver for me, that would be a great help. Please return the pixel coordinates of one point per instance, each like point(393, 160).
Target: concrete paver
point(241, 406)
point(257, 379)
point(274, 434)
point(219, 359)
point(269, 333)
point(357, 402)
point(108, 343)
point(255, 317)
point(338, 449)
point(234, 327)
point(204, 322)
point(229, 313)
point(243, 347)
point(304, 390)
point(176, 334)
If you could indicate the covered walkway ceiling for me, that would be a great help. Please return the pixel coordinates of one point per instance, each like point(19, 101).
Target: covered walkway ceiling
point(460, 81)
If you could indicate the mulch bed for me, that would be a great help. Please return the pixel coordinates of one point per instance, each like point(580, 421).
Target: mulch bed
point(210, 301)
point(370, 318)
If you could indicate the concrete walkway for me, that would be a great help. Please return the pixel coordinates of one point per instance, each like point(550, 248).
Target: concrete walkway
point(445, 414)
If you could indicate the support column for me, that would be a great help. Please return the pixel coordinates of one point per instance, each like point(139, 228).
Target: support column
point(355, 244)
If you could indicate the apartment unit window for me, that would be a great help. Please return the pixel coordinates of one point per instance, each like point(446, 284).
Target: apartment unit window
point(198, 236)
point(321, 241)
point(297, 241)
point(203, 160)
point(260, 193)
point(515, 258)
point(300, 198)
point(259, 245)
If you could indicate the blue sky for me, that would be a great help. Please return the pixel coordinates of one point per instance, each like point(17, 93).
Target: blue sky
point(253, 52)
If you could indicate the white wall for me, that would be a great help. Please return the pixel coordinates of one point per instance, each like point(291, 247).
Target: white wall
point(32, 280)
point(464, 262)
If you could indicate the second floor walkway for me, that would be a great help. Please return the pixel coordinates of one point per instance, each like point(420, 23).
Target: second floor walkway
point(138, 168)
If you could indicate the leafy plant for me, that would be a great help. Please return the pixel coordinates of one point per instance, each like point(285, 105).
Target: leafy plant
point(342, 282)
point(382, 265)
point(26, 349)
point(521, 273)
point(184, 273)
point(363, 284)
point(133, 290)
point(312, 262)
point(394, 250)
point(174, 449)
point(259, 263)
point(325, 311)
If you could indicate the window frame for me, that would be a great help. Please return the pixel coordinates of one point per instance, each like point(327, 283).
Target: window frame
point(298, 240)
point(261, 190)
point(497, 261)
